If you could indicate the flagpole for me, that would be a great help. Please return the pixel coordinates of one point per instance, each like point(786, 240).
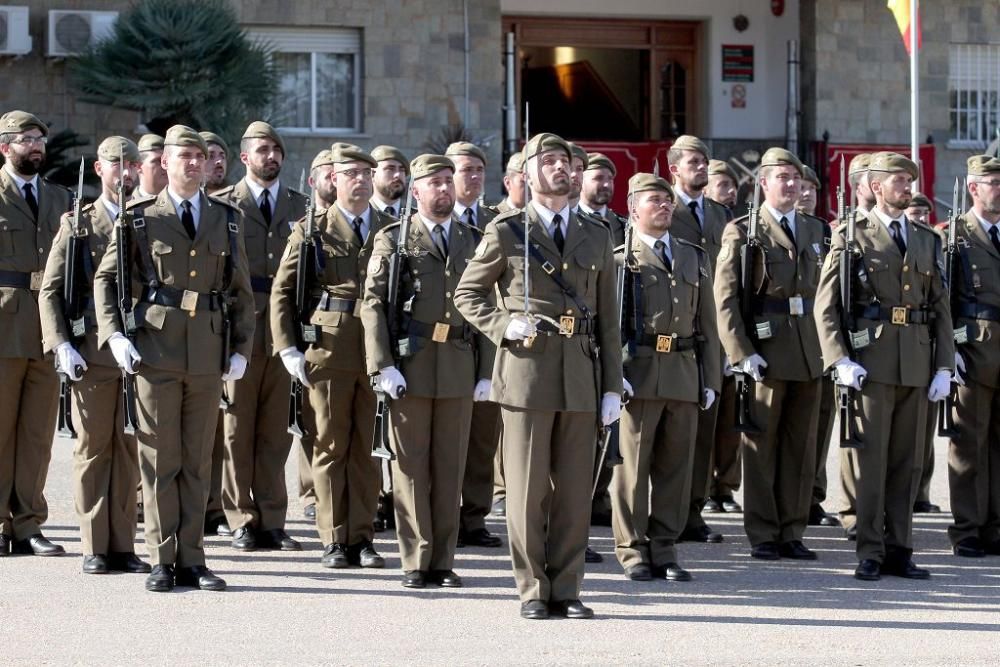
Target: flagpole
point(914, 84)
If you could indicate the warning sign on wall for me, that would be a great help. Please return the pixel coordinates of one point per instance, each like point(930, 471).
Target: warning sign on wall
point(737, 62)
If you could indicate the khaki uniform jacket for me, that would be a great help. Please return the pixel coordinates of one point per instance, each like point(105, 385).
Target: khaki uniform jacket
point(24, 247)
point(341, 343)
point(485, 215)
point(170, 338)
point(556, 373)
point(978, 273)
point(672, 301)
point(504, 207)
point(898, 355)
point(614, 223)
point(447, 369)
point(792, 352)
point(708, 236)
point(265, 246)
point(97, 229)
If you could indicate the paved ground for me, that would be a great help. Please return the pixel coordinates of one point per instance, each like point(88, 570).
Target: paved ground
point(284, 608)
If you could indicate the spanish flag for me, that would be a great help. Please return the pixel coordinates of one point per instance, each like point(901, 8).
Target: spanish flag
point(901, 10)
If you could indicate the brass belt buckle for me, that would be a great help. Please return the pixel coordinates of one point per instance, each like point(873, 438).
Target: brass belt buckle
point(664, 343)
point(189, 301)
point(36, 280)
point(899, 314)
point(440, 334)
point(566, 325)
point(796, 307)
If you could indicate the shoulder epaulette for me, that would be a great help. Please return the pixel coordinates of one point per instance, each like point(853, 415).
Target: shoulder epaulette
point(513, 213)
point(473, 228)
point(60, 186)
point(141, 201)
point(697, 247)
point(224, 192)
point(216, 199)
point(292, 192)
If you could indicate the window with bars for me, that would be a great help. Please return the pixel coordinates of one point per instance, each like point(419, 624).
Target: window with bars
point(319, 79)
point(974, 94)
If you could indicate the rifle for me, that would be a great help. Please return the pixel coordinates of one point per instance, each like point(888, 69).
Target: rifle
point(124, 284)
point(845, 395)
point(307, 269)
point(73, 307)
point(945, 416)
point(748, 253)
point(394, 318)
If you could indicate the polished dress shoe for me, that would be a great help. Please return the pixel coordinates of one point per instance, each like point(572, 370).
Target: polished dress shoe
point(128, 562)
point(712, 506)
point(729, 505)
point(444, 578)
point(570, 609)
point(245, 539)
point(335, 555)
point(701, 534)
point(639, 572)
point(200, 577)
point(499, 508)
point(851, 534)
point(969, 547)
point(480, 537)
point(591, 556)
point(868, 570)
point(161, 579)
point(796, 551)
point(96, 564)
point(309, 511)
point(37, 545)
point(925, 507)
point(534, 610)
point(4, 545)
point(364, 554)
point(415, 579)
point(277, 538)
point(905, 568)
point(765, 551)
point(671, 572)
point(217, 526)
point(819, 517)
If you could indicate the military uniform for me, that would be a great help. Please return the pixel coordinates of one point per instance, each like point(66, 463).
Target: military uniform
point(180, 338)
point(900, 301)
point(29, 386)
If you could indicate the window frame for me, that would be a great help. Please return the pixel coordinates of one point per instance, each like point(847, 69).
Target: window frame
point(973, 69)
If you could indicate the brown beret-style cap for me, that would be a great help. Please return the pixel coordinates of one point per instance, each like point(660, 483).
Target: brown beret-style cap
point(721, 168)
point(777, 156)
point(546, 141)
point(859, 163)
point(601, 161)
point(182, 135)
point(384, 152)
point(578, 152)
point(213, 138)
point(981, 165)
point(342, 153)
point(428, 164)
point(21, 121)
point(642, 182)
point(150, 142)
point(809, 175)
point(515, 164)
point(465, 148)
point(687, 142)
point(920, 199)
point(894, 162)
point(115, 147)
point(324, 157)
point(261, 130)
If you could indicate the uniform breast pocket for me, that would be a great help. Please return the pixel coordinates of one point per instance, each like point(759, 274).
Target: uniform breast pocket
point(689, 284)
point(8, 230)
point(341, 263)
point(219, 251)
point(781, 271)
point(924, 269)
point(585, 276)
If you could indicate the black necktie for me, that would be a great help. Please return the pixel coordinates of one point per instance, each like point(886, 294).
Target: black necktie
point(440, 241)
point(29, 196)
point(357, 229)
point(187, 219)
point(897, 236)
point(390, 211)
point(995, 238)
point(557, 232)
point(787, 228)
point(265, 206)
point(693, 205)
point(661, 248)
point(469, 217)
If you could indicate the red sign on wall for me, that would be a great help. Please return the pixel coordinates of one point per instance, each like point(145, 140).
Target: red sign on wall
point(630, 158)
point(834, 152)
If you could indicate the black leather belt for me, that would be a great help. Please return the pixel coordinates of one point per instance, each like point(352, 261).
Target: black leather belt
point(774, 306)
point(333, 304)
point(15, 279)
point(261, 285)
point(978, 311)
point(895, 314)
point(165, 295)
point(568, 326)
point(667, 342)
point(438, 331)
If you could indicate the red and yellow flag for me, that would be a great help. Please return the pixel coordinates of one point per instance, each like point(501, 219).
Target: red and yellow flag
point(901, 10)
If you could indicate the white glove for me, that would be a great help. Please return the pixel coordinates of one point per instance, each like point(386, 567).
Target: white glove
point(627, 391)
point(847, 373)
point(295, 364)
point(482, 391)
point(67, 361)
point(124, 353)
point(237, 368)
point(940, 386)
point(727, 368)
point(959, 378)
point(519, 328)
point(391, 381)
point(611, 409)
point(752, 366)
point(709, 399)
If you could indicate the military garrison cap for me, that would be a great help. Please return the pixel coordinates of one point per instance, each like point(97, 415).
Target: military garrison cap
point(324, 157)
point(721, 168)
point(515, 164)
point(261, 130)
point(980, 165)
point(809, 175)
point(113, 148)
point(642, 182)
point(182, 135)
point(777, 156)
point(687, 142)
point(213, 138)
point(601, 161)
point(546, 141)
point(150, 142)
point(465, 148)
point(428, 164)
point(894, 162)
point(859, 163)
point(21, 121)
point(576, 151)
point(920, 199)
point(384, 152)
point(341, 153)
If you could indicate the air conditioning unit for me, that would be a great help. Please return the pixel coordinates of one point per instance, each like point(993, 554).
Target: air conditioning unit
point(71, 32)
point(14, 37)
